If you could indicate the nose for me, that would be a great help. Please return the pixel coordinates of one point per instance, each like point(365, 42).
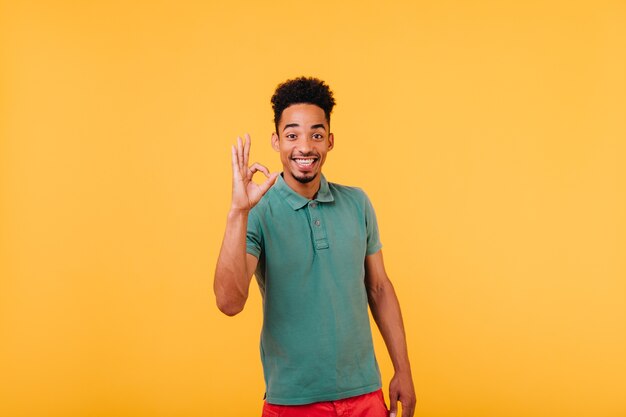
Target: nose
point(304, 146)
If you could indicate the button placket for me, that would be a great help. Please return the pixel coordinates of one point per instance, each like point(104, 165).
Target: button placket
point(317, 226)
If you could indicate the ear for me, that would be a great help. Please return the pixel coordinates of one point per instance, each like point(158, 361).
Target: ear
point(275, 142)
point(331, 141)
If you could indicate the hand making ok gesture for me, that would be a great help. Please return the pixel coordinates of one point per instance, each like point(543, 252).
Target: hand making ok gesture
point(246, 193)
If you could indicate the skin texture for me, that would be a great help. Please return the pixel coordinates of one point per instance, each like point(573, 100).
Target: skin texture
point(386, 312)
point(234, 266)
point(304, 135)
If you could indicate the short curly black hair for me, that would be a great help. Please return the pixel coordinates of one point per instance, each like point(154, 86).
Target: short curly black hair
point(302, 90)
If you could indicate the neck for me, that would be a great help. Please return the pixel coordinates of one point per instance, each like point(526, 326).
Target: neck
point(307, 190)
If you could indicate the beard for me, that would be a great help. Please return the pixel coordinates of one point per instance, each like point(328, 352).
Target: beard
point(305, 179)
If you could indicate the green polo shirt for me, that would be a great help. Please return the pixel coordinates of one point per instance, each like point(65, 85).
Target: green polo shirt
point(316, 341)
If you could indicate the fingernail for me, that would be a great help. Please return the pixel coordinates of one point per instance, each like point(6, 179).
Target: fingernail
point(392, 415)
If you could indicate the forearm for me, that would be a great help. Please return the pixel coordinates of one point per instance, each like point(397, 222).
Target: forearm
point(386, 312)
point(232, 279)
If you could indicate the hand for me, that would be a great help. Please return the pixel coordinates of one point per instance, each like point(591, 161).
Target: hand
point(246, 193)
point(401, 389)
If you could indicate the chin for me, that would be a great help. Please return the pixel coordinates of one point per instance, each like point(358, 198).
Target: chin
point(304, 179)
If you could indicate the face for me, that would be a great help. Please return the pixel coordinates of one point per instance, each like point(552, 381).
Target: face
point(303, 139)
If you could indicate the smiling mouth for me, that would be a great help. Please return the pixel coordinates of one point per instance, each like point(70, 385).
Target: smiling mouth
point(304, 162)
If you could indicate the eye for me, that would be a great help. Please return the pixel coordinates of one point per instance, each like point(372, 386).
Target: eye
point(318, 136)
point(291, 136)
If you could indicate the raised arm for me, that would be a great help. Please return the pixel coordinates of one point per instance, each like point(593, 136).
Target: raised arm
point(386, 312)
point(235, 267)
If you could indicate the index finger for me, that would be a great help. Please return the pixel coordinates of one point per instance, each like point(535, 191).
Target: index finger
point(258, 167)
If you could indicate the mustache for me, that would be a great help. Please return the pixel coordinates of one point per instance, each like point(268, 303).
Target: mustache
point(306, 155)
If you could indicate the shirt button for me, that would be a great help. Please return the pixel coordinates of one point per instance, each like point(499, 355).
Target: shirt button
point(317, 222)
point(313, 204)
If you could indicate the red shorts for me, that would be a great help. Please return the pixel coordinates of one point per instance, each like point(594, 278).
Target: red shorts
point(366, 405)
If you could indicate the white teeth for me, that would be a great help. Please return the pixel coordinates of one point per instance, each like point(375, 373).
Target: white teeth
point(304, 161)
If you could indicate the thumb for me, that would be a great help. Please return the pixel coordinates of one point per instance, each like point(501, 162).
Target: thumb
point(268, 182)
point(393, 403)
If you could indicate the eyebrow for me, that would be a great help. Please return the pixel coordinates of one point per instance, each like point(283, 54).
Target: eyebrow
point(290, 125)
point(317, 126)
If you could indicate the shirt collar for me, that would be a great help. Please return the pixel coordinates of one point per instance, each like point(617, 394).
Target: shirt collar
point(295, 200)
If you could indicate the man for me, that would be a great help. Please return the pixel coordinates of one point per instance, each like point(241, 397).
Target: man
point(315, 250)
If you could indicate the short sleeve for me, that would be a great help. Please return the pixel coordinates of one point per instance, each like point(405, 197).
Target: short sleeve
point(371, 225)
point(254, 236)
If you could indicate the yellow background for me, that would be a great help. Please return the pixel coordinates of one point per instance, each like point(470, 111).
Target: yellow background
point(490, 136)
